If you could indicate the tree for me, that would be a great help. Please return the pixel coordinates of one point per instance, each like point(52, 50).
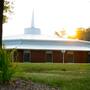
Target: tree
point(88, 34)
point(6, 67)
point(1, 20)
point(7, 9)
point(4, 9)
point(71, 37)
point(81, 33)
point(60, 33)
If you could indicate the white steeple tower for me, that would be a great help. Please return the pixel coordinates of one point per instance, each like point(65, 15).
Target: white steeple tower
point(32, 30)
point(32, 23)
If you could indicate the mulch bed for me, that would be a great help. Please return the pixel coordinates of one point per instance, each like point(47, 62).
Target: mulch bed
point(26, 85)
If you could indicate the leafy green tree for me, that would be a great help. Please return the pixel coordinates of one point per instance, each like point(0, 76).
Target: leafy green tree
point(6, 70)
point(5, 8)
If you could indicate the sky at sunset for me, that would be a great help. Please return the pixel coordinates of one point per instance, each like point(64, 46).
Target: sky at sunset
point(50, 16)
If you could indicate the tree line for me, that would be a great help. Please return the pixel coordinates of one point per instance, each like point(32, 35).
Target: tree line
point(81, 34)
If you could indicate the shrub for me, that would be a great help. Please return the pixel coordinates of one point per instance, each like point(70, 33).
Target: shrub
point(6, 66)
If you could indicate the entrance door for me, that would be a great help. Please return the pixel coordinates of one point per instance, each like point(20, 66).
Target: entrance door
point(49, 56)
point(26, 56)
point(70, 57)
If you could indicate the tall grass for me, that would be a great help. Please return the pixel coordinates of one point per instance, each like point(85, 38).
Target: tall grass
point(65, 76)
point(6, 66)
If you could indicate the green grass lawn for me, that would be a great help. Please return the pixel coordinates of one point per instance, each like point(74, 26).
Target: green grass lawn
point(65, 76)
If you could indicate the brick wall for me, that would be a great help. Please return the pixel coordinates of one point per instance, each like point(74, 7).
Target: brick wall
point(80, 57)
point(40, 56)
point(20, 55)
point(57, 57)
point(37, 56)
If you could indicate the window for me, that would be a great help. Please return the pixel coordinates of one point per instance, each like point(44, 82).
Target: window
point(49, 56)
point(88, 57)
point(70, 57)
point(26, 56)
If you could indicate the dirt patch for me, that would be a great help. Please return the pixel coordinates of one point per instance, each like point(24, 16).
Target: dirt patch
point(26, 85)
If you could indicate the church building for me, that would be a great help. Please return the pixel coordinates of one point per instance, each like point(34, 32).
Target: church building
point(32, 46)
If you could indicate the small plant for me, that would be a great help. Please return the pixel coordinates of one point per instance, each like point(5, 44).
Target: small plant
point(63, 69)
point(6, 66)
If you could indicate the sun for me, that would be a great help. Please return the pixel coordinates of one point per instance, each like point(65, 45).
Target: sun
point(71, 33)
